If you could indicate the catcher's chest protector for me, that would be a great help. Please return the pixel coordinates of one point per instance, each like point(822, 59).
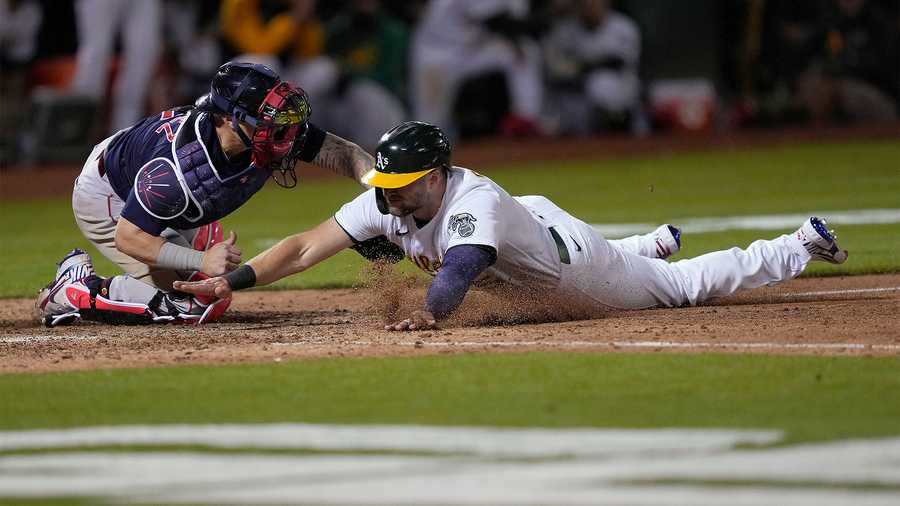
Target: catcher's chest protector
point(204, 192)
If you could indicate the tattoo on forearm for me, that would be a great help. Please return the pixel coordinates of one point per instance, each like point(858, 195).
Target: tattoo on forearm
point(343, 157)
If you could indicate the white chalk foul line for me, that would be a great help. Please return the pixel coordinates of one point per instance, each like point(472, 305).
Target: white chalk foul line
point(756, 222)
point(628, 344)
point(787, 346)
point(40, 338)
point(842, 292)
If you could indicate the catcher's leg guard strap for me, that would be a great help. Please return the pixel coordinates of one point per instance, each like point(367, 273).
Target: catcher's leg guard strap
point(123, 300)
point(93, 305)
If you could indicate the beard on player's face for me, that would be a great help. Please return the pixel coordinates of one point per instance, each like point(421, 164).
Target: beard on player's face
point(408, 199)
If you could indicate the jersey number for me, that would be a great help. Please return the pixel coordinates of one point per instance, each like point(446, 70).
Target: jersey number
point(166, 127)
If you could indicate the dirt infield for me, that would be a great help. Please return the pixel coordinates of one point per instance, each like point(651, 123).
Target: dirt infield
point(839, 315)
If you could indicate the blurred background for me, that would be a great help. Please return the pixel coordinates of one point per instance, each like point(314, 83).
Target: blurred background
point(73, 72)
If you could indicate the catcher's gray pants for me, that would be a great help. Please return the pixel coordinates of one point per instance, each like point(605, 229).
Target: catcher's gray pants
point(615, 275)
point(97, 209)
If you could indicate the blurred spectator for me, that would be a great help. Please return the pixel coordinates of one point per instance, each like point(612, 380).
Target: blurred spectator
point(285, 35)
point(139, 23)
point(781, 40)
point(855, 73)
point(460, 39)
point(369, 43)
point(370, 48)
point(20, 22)
point(592, 60)
point(193, 46)
point(407, 11)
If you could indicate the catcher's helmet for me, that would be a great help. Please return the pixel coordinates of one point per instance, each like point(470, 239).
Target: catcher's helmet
point(406, 153)
point(278, 112)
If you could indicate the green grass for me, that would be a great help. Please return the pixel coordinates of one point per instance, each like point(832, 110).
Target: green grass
point(810, 398)
point(663, 188)
point(48, 501)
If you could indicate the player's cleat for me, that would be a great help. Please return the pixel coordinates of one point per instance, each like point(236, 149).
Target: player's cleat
point(54, 304)
point(668, 240)
point(820, 242)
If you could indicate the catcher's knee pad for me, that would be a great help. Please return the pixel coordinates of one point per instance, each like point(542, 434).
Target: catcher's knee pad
point(208, 235)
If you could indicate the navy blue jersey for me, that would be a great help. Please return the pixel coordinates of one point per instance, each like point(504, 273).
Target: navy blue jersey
point(172, 173)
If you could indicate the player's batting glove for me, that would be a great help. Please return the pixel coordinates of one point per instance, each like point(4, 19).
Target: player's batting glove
point(419, 320)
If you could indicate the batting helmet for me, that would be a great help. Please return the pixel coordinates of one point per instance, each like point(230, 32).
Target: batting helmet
point(406, 153)
point(278, 111)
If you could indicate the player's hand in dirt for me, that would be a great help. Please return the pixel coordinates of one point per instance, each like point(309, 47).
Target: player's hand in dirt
point(222, 257)
point(210, 287)
point(419, 320)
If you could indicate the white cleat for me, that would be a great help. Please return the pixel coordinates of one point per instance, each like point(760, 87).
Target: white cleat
point(668, 240)
point(53, 306)
point(820, 242)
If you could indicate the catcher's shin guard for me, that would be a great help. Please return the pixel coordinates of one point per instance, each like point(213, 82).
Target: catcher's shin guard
point(87, 299)
point(78, 293)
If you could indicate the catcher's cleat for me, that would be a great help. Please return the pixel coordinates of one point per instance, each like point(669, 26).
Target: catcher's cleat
point(54, 304)
point(668, 240)
point(820, 242)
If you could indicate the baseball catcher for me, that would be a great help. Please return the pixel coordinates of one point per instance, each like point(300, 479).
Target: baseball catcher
point(460, 226)
point(150, 196)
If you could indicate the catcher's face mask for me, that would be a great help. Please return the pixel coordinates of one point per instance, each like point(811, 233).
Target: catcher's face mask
point(280, 126)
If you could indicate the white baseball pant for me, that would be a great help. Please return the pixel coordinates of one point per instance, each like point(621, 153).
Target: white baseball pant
point(617, 274)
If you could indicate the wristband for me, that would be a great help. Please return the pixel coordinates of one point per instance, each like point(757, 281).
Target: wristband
point(242, 277)
point(173, 256)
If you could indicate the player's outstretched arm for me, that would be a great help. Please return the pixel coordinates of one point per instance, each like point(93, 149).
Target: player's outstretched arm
point(344, 157)
point(462, 264)
point(292, 255)
point(299, 252)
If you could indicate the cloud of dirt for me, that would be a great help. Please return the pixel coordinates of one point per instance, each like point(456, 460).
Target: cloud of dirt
point(395, 295)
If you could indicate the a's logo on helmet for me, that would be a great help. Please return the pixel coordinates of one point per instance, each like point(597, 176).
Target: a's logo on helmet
point(381, 162)
point(462, 223)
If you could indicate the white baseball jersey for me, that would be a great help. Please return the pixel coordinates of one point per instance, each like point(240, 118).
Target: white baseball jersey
point(476, 211)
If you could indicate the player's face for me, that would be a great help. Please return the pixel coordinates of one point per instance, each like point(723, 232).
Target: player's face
point(408, 199)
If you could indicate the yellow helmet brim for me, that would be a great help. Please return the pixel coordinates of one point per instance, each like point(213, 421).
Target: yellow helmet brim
point(391, 181)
